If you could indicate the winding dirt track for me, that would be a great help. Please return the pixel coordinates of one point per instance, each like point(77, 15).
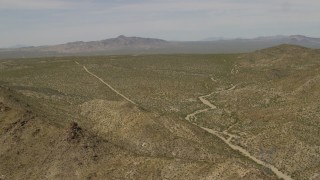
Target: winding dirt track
point(216, 133)
point(230, 136)
point(114, 90)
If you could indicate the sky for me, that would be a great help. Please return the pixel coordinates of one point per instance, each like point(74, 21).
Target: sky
point(45, 22)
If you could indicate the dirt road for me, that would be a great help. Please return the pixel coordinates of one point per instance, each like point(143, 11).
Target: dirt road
point(100, 79)
point(216, 133)
point(191, 117)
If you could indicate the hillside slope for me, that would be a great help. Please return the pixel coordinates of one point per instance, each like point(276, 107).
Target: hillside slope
point(120, 141)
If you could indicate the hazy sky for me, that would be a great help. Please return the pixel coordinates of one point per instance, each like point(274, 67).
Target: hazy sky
point(38, 22)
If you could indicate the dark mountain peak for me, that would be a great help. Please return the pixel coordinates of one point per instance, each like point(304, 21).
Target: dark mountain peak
point(121, 37)
point(113, 44)
point(125, 40)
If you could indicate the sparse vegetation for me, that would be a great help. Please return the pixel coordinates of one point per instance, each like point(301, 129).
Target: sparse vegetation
point(53, 111)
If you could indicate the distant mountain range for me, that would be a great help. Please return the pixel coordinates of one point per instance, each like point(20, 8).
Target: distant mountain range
point(293, 39)
point(279, 38)
point(139, 45)
point(18, 46)
point(114, 44)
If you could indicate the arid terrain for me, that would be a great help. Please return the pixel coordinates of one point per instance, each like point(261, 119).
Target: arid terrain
point(184, 116)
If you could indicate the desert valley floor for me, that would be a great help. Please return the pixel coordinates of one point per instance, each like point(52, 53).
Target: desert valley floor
point(222, 116)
